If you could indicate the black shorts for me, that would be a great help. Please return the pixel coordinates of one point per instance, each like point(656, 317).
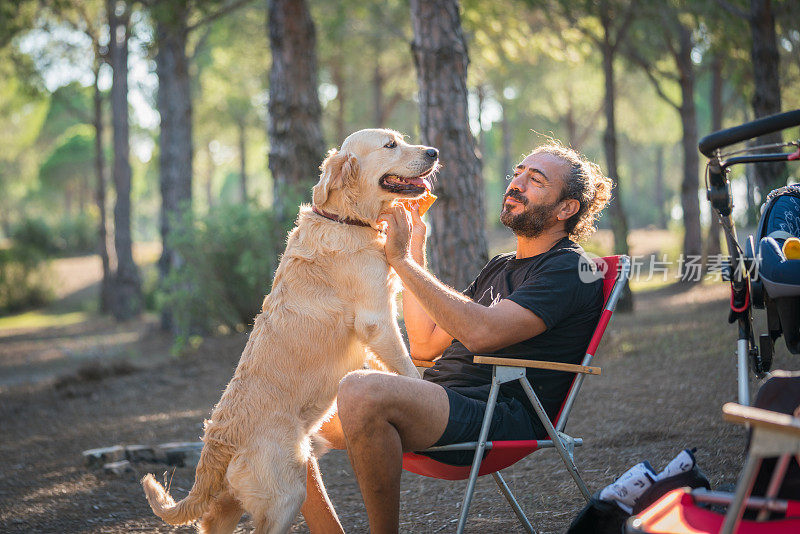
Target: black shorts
point(510, 421)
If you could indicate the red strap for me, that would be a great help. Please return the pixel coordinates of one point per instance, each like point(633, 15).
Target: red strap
point(746, 300)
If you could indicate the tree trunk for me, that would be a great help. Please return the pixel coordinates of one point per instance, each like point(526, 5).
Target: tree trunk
point(767, 94)
point(175, 163)
point(377, 93)
point(692, 237)
point(127, 294)
point(458, 243)
point(243, 161)
point(661, 201)
point(569, 120)
point(68, 194)
point(210, 178)
point(295, 132)
point(100, 194)
point(337, 73)
point(481, 94)
point(619, 224)
point(713, 246)
point(505, 134)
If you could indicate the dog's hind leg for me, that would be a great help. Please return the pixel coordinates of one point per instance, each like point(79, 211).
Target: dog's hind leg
point(271, 485)
point(277, 512)
point(223, 515)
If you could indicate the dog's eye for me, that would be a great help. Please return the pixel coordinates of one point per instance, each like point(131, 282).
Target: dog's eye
point(391, 144)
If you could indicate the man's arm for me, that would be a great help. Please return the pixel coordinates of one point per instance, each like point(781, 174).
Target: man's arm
point(479, 328)
point(425, 338)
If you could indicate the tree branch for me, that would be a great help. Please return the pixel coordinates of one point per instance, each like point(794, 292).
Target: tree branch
point(648, 70)
point(623, 27)
point(224, 10)
point(201, 43)
point(733, 10)
point(567, 14)
point(584, 134)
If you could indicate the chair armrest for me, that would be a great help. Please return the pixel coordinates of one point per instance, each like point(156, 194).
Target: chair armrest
point(423, 363)
point(736, 413)
point(537, 364)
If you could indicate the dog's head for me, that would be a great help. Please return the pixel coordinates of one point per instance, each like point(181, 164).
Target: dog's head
point(373, 168)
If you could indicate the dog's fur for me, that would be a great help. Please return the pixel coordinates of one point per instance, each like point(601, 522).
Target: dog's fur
point(331, 306)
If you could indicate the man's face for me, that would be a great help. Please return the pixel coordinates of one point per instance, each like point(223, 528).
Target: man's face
point(532, 199)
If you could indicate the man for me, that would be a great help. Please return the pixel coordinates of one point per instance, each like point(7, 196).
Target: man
point(530, 303)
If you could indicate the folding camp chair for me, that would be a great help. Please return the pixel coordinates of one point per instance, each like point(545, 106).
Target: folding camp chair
point(686, 512)
point(501, 454)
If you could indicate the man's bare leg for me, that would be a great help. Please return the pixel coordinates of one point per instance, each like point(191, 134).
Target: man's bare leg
point(382, 416)
point(317, 509)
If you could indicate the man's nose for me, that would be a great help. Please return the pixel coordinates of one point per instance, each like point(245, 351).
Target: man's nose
point(516, 183)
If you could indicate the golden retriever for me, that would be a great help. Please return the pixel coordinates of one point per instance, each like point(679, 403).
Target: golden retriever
point(332, 306)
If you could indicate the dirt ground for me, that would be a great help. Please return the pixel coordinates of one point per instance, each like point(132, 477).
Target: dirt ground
point(667, 369)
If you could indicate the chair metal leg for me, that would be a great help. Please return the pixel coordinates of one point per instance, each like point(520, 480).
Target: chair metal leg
point(743, 488)
point(504, 489)
point(775, 483)
point(476, 461)
point(557, 440)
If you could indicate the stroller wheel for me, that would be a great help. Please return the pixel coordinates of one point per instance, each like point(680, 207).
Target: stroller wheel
point(761, 357)
point(767, 348)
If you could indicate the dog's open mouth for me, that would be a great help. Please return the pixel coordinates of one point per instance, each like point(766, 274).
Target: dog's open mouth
point(408, 185)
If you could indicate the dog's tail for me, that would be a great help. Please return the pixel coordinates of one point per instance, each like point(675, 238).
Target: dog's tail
point(209, 480)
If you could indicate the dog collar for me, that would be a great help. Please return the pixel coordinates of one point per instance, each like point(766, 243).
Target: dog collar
point(336, 218)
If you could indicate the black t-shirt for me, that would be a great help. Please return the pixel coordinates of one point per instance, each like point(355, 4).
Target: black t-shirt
point(549, 285)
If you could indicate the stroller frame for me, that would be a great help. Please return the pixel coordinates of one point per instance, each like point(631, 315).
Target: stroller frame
point(718, 192)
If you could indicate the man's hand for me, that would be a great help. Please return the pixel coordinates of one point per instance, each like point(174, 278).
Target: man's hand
point(399, 235)
point(418, 236)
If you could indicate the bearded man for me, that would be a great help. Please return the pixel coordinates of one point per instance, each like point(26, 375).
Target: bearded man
point(530, 303)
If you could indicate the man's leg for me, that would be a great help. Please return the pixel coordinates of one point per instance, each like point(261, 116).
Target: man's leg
point(383, 415)
point(317, 509)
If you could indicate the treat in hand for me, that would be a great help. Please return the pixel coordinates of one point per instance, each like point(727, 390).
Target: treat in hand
point(424, 202)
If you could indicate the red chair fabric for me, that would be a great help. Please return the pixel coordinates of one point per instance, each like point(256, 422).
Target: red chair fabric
point(501, 455)
point(677, 513)
point(506, 453)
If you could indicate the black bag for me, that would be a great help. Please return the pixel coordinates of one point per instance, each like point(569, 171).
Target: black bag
point(604, 517)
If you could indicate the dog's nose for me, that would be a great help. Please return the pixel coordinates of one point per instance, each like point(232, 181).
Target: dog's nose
point(432, 153)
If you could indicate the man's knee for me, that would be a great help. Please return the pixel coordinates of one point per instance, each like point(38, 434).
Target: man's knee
point(362, 397)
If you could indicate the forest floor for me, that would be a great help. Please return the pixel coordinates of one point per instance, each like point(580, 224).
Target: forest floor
point(72, 380)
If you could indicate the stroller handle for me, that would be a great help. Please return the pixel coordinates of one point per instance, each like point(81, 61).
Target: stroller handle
point(748, 130)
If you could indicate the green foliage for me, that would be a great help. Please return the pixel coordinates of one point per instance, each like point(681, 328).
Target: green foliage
point(23, 279)
point(65, 174)
point(228, 262)
point(77, 235)
point(34, 234)
point(70, 236)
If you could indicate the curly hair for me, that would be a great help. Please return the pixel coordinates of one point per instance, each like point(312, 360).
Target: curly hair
point(584, 182)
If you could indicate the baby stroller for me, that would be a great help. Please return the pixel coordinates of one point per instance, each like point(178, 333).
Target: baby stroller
point(760, 275)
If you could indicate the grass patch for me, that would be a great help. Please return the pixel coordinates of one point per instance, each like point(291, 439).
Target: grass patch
point(43, 319)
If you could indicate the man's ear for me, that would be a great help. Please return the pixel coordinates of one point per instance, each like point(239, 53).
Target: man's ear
point(338, 169)
point(571, 207)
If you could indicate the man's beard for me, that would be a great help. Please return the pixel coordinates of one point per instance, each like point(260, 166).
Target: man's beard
point(532, 222)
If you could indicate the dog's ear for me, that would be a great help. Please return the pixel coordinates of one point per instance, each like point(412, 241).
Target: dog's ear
point(338, 169)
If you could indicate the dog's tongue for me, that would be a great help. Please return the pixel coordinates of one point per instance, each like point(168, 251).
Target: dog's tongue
point(420, 182)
